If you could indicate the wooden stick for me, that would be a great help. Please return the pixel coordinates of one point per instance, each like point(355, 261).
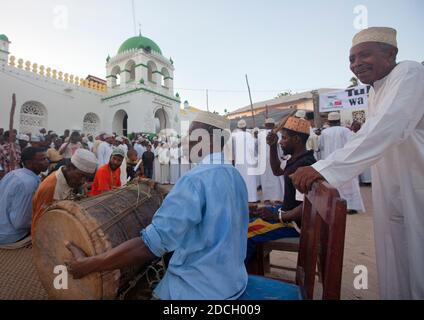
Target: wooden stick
point(251, 104)
point(11, 140)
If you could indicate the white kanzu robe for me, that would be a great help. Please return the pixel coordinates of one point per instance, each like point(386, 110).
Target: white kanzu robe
point(332, 139)
point(174, 165)
point(244, 157)
point(271, 186)
point(392, 141)
point(156, 165)
point(163, 157)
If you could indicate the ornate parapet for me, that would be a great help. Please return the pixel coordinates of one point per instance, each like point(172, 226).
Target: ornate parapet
point(56, 75)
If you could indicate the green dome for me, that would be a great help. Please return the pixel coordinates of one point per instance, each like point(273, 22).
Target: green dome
point(4, 38)
point(139, 42)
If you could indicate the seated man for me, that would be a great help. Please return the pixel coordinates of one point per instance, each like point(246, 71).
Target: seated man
point(64, 184)
point(16, 191)
point(273, 225)
point(108, 176)
point(203, 220)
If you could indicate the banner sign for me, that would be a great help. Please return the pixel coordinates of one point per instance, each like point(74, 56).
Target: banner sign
point(351, 98)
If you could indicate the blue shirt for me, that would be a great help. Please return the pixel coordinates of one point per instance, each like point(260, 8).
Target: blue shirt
point(204, 220)
point(16, 191)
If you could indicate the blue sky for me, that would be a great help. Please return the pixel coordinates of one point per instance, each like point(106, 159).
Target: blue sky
point(281, 45)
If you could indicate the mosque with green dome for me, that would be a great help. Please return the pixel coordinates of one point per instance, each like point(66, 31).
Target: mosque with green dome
point(137, 94)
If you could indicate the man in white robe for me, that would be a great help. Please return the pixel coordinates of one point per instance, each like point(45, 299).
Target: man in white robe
point(392, 142)
point(104, 150)
point(271, 185)
point(244, 158)
point(335, 138)
point(139, 147)
point(174, 163)
point(120, 144)
point(163, 157)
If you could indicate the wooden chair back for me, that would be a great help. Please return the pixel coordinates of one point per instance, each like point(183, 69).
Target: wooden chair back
point(323, 235)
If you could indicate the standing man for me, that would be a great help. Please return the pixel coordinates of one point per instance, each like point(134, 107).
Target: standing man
point(16, 191)
point(392, 142)
point(148, 159)
point(332, 139)
point(105, 150)
point(138, 146)
point(174, 163)
point(54, 155)
point(68, 148)
point(271, 186)
point(244, 158)
point(99, 139)
point(108, 176)
point(9, 151)
point(163, 157)
point(208, 260)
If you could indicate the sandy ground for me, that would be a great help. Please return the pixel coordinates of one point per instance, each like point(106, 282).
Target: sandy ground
point(359, 250)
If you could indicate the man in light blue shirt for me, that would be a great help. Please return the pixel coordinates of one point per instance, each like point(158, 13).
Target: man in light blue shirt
point(16, 191)
point(203, 220)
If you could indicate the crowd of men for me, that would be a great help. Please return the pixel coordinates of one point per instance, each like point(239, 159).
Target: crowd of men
point(47, 167)
point(205, 221)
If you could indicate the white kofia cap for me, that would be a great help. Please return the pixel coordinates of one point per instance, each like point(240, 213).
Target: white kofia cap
point(241, 124)
point(85, 161)
point(333, 116)
point(376, 34)
point(212, 119)
point(269, 121)
point(300, 114)
point(23, 137)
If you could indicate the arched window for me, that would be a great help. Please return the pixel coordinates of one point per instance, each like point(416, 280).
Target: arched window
point(91, 123)
point(116, 76)
point(33, 117)
point(166, 78)
point(151, 71)
point(130, 71)
point(120, 123)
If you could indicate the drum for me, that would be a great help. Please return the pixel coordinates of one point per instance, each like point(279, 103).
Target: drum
point(96, 225)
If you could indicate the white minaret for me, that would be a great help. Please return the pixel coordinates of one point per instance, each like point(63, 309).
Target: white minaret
point(4, 49)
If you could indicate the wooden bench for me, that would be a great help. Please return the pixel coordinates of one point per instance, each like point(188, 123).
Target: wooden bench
point(321, 241)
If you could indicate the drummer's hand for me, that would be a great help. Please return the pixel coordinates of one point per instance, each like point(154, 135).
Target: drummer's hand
point(76, 265)
point(304, 178)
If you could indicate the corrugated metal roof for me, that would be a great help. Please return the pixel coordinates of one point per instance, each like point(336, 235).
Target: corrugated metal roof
point(282, 100)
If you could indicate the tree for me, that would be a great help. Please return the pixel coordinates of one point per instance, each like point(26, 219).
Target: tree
point(284, 94)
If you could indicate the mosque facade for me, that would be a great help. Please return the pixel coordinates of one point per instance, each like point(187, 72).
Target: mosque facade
point(137, 95)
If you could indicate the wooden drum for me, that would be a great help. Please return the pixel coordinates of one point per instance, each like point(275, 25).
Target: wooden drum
point(96, 225)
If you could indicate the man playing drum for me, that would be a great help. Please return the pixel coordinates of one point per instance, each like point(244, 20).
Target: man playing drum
point(203, 220)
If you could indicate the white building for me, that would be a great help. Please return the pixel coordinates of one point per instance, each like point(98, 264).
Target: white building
point(138, 96)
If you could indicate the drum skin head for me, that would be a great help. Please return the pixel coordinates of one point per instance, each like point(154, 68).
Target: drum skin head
point(54, 228)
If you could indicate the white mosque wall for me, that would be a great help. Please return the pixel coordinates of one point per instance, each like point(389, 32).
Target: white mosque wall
point(60, 105)
point(54, 104)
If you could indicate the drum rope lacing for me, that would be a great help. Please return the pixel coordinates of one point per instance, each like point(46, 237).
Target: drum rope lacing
point(119, 216)
point(158, 271)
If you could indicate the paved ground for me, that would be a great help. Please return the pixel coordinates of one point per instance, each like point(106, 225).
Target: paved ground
point(18, 278)
point(359, 250)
